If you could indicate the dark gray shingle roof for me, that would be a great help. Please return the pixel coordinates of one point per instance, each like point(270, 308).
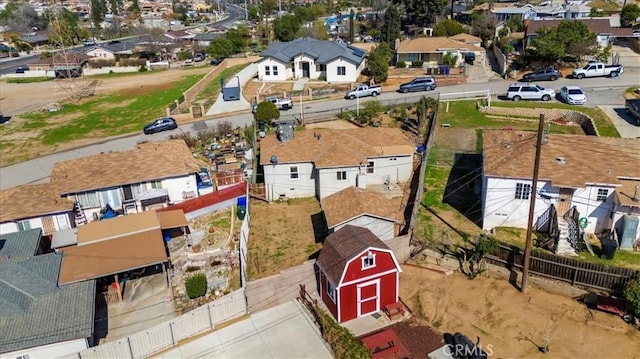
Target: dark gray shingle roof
point(322, 52)
point(34, 310)
point(343, 245)
point(208, 36)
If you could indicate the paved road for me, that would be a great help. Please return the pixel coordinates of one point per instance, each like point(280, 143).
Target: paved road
point(600, 91)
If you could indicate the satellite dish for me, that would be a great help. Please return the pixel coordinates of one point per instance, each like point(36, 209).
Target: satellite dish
point(273, 160)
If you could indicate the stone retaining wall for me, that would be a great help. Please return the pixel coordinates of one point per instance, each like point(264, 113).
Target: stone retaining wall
point(551, 114)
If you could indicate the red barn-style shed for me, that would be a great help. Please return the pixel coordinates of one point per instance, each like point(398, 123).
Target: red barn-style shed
point(358, 274)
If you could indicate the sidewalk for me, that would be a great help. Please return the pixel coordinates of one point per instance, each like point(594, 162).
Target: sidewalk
point(221, 106)
point(284, 331)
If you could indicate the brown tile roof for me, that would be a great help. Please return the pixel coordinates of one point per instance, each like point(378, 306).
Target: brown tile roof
point(626, 191)
point(172, 219)
point(102, 258)
point(30, 201)
point(466, 38)
point(423, 45)
point(343, 245)
point(588, 159)
point(353, 202)
point(597, 26)
point(336, 148)
point(149, 161)
point(117, 227)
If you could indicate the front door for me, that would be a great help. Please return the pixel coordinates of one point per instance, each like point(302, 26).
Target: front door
point(305, 69)
point(368, 297)
point(565, 198)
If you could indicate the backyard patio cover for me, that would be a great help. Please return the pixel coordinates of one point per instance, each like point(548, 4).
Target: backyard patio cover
point(116, 245)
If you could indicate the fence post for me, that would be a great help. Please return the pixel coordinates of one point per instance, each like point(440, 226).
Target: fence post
point(209, 315)
point(130, 348)
point(173, 339)
point(575, 276)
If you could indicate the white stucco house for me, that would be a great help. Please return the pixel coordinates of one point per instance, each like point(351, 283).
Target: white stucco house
point(34, 206)
point(151, 175)
point(607, 29)
point(366, 208)
point(311, 58)
point(321, 162)
point(596, 175)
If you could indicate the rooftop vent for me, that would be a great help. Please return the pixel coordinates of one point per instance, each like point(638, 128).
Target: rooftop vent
point(561, 160)
point(273, 160)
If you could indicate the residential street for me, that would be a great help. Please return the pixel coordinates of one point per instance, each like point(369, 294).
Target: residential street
point(600, 91)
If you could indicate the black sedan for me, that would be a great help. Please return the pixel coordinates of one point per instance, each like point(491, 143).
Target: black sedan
point(160, 124)
point(546, 74)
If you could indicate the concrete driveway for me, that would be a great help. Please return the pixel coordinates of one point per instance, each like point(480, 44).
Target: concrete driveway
point(284, 331)
point(625, 124)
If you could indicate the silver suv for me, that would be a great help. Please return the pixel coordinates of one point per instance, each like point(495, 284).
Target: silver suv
point(518, 91)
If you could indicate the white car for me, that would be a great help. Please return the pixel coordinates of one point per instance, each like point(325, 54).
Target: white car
point(573, 95)
point(528, 91)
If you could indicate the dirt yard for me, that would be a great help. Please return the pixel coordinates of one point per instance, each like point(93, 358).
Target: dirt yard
point(516, 324)
point(282, 235)
point(20, 98)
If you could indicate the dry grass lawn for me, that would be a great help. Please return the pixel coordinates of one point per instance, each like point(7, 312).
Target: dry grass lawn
point(515, 324)
point(281, 235)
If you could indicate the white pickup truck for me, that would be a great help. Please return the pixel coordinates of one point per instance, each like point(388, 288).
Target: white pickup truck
point(281, 103)
point(363, 91)
point(597, 69)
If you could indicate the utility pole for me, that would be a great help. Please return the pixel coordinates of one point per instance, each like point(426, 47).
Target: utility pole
point(532, 206)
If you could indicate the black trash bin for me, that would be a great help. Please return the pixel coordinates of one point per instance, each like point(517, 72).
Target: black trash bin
point(609, 247)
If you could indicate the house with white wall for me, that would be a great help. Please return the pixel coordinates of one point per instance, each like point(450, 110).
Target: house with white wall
point(377, 211)
point(34, 206)
point(154, 174)
point(321, 162)
point(314, 59)
point(607, 29)
point(596, 175)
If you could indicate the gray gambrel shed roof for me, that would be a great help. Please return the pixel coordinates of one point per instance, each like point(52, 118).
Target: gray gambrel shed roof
point(34, 310)
point(323, 52)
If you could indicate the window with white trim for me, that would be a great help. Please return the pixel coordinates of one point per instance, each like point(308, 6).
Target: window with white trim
point(267, 71)
point(341, 175)
point(342, 70)
point(370, 167)
point(275, 70)
point(603, 194)
point(23, 356)
point(88, 199)
point(331, 291)
point(293, 172)
point(24, 225)
point(369, 261)
point(156, 184)
point(523, 190)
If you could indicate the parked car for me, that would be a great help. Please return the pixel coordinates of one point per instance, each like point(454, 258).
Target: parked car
point(573, 95)
point(419, 84)
point(22, 69)
point(546, 74)
point(597, 69)
point(633, 108)
point(520, 91)
point(198, 57)
point(216, 61)
point(89, 42)
point(281, 103)
point(160, 124)
point(363, 91)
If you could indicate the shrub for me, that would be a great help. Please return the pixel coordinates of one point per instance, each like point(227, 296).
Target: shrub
point(342, 342)
point(196, 286)
point(417, 63)
point(632, 295)
point(192, 268)
point(401, 65)
point(142, 68)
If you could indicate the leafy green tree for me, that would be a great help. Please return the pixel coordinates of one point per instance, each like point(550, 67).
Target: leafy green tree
point(482, 26)
point(629, 14)
point(20, 17)
point(595, 12)
point(238, 38)
point(424, 12)
point(221, 48)
point(134, 12)
point(515, 23)
point(351, 26)
point(253, 13)
point(568, 39)
point(63, 26)
point(266, 113)
point(391, 26)
point(632, 295)
point(98, 10)
point(448, 27)
point(268, 6)
point(378, 62)
point(286, 28)
point(316, 31)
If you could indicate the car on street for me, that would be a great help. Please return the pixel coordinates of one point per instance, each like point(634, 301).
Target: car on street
point(419, 84)
point(160, 124)
point(363, 90)
point(216, 61)
point(573, 95)
point(522, 91)
point(198, 57)
point(545, 74)
point(22, 69)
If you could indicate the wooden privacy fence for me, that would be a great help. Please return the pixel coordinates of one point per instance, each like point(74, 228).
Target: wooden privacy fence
point(575, 272)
